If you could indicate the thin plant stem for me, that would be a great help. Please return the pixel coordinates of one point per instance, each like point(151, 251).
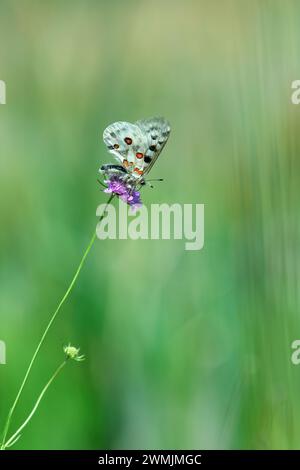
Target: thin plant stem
point(17, 433)
point(64, 298)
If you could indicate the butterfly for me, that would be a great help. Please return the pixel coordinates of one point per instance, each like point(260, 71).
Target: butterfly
point(135, 147)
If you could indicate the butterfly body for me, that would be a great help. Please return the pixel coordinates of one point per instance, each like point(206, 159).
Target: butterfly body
point(135, 147)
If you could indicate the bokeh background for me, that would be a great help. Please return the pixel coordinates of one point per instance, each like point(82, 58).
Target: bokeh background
point(184, 349)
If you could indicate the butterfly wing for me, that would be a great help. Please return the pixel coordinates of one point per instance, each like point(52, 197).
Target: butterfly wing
point(127, 143)
point(156, 132)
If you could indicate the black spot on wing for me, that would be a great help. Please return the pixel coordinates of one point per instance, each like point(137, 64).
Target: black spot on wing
point(152, 148)
point(147, 159)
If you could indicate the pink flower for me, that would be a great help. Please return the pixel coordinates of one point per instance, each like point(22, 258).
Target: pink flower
point(128, 194)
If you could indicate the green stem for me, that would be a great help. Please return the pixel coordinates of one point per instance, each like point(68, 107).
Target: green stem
point(17, 433)
point(12, 409)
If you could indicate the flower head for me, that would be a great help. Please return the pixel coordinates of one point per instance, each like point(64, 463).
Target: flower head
point(73, 353)
point(132, 198)
point(118, 186)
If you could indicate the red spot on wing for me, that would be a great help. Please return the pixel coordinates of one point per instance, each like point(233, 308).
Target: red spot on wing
point(128, 140)
point(138, 171)
point(139, 155)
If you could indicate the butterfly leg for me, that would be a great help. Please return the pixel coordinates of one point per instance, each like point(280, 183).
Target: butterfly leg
point(101, 182)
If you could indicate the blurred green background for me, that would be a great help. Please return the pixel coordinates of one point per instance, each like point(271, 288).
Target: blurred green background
point(184, 349)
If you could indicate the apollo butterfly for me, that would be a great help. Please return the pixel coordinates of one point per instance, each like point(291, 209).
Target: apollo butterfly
point(135, 147)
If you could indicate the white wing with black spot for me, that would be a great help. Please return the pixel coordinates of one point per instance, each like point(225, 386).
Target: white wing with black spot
point(137, 146)
point(126, 142)
point(156, 132)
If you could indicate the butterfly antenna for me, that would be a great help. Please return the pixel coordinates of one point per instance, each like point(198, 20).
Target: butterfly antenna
point(148, 182)
point(156, 179)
